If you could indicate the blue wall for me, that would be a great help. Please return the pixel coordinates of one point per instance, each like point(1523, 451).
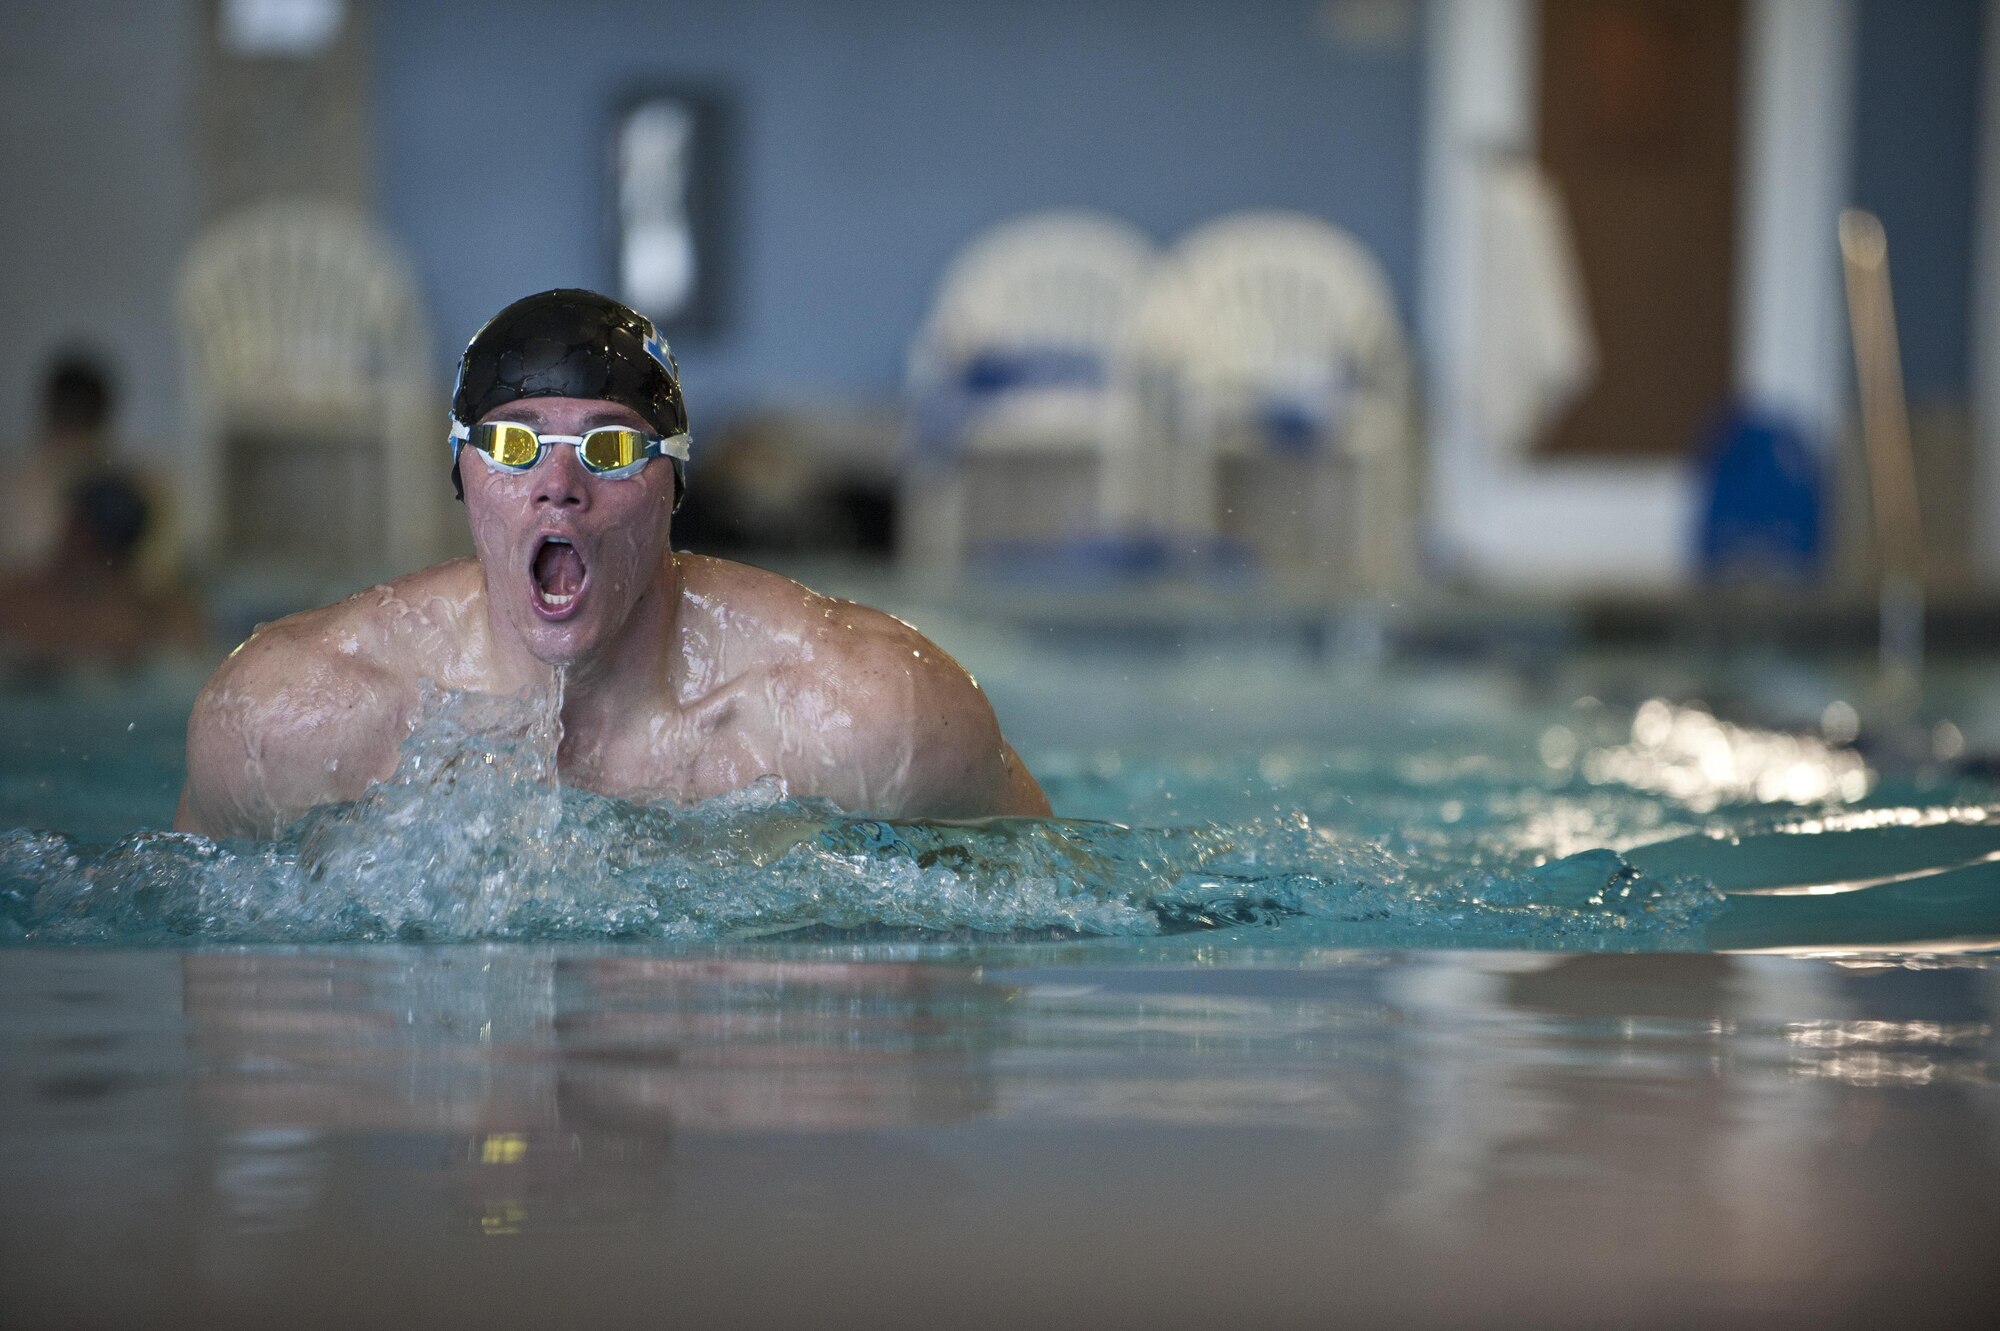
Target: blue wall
point(1915, 136)
point(875, 137)
point(97, 149)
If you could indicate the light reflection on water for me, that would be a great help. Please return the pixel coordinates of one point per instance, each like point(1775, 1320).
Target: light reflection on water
point(1511, 1116)
point(1704, 763)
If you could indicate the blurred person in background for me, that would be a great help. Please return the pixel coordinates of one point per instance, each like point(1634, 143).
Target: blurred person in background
point(74, 441)
point(679, 677)
point(86, 603)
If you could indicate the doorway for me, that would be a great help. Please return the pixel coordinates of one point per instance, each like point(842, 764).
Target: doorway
point(1639, 127)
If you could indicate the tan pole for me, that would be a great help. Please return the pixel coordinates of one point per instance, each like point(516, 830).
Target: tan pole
point(1885, 429)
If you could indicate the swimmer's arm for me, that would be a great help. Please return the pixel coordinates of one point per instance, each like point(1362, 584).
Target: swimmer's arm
point(281, 727)
point(1020, 793)
point(934, 748)
point(964, 769)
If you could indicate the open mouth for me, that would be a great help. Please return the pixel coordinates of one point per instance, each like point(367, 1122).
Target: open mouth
point(559, 576)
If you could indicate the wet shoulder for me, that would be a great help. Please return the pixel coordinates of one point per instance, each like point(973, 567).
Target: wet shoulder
point(308, 710)
point(368, 650)
point(914, 736)
point(787, 627)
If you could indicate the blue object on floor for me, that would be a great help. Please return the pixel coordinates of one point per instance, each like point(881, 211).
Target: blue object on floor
point(1762, 503)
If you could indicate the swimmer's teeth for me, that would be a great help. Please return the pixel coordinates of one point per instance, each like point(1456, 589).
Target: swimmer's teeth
point(556, 563)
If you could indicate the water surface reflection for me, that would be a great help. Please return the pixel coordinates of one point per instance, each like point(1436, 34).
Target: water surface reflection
point(520, 1134)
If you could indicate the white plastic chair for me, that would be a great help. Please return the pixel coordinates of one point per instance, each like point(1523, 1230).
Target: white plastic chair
point(1257, 315)
point(318, 433)
point(1046, 298)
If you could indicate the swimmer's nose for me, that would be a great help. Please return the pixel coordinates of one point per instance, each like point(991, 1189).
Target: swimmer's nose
point(560, 480)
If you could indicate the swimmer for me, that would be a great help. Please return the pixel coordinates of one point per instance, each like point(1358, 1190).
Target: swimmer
point(681, 677)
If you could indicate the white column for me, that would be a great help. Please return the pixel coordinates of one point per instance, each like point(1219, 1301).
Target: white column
point(1480, 94)
point(1798, 104)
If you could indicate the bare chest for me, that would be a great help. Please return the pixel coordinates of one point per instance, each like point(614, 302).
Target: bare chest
point(756, 726)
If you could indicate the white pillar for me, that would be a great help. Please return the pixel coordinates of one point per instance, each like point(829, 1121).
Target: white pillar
point(1798, 104)
point(1478, 95)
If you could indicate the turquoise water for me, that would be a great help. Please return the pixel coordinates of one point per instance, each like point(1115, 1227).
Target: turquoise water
point(1254, 803)
point(1385, 997)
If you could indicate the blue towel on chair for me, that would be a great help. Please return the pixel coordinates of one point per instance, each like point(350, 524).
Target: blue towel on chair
point(945, 414)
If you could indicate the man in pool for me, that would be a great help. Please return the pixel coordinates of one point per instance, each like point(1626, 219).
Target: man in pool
point(681, 677)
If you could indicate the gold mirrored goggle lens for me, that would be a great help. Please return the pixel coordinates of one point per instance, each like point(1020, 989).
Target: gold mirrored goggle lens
point(517, 446)
point(610, 449)
point(507, 444)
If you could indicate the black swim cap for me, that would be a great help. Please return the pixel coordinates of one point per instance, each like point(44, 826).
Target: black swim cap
point(571, 343)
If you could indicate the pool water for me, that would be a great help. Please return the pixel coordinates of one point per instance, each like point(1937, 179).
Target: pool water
point(1259, 802)
point(1443, 995)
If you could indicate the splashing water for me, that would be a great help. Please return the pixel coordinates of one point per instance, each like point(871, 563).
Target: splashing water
point(474, 837)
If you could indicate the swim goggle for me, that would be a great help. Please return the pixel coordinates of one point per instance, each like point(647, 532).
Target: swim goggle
point(613, 452)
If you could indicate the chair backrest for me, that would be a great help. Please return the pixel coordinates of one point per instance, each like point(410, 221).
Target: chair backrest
point(299, 305)
point(1272, 302)
point(309, 380)
point(1272, 337)
point(1055, 282)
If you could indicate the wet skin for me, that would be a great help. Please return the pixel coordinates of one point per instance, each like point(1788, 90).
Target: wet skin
point(684, 677)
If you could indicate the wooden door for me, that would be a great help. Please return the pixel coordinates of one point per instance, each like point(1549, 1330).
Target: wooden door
point(1638, 128)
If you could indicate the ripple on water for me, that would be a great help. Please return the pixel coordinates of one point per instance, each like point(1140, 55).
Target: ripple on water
point(472, 838)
